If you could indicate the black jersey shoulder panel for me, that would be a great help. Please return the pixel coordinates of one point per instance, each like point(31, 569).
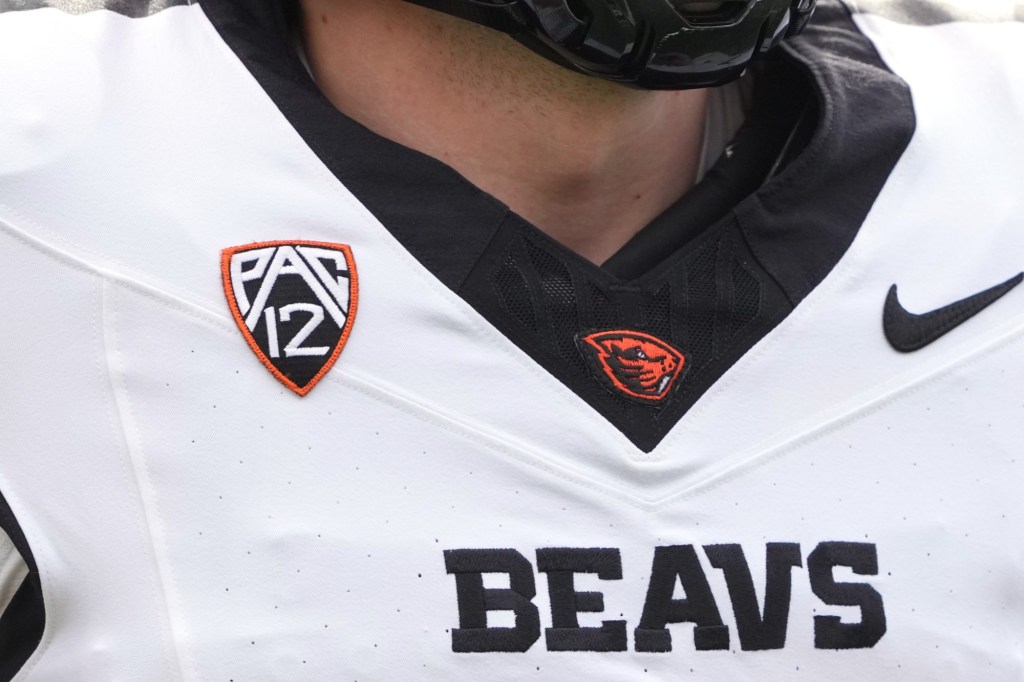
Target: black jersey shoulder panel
point(711, 277)
point(21, 627)
point(134, 9)
point(23, 621)
point(800, 223)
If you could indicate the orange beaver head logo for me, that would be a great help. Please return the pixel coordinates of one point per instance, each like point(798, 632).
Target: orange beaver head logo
point(634, 364)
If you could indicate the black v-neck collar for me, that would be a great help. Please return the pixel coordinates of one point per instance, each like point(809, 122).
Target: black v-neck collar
point(781, 121)
point(710, 277)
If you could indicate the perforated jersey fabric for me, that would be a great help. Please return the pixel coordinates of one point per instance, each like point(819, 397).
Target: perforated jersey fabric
point(463, 495)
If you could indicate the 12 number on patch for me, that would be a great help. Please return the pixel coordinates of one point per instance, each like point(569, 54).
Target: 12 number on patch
point(294, 302)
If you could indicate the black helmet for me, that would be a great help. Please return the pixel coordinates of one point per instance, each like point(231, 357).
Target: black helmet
point(653, 44)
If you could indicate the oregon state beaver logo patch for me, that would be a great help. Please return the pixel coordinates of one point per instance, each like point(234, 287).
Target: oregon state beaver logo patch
point(294, 302)
point(633, 364)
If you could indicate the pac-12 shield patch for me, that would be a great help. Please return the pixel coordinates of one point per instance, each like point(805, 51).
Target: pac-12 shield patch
point(633, 364)
point(294, 302)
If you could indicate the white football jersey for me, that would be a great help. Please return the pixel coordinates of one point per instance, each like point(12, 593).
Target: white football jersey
point(263, 419)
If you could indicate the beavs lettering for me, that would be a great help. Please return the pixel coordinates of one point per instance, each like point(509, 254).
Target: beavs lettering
point(758, 628)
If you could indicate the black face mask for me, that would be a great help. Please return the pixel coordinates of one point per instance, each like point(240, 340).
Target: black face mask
point(651, 44)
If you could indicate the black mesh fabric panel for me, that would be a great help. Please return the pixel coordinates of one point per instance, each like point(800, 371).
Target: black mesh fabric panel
point(746, 298)
point(702, 289)
point(657, 313)
point(559, 294)
point(545, 299)
point(515, 297)
point(605, 314)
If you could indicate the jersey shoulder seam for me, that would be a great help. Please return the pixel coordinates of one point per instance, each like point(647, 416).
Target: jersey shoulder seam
point(178, 300)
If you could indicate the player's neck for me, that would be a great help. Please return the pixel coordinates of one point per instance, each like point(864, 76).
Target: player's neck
point(586, 161)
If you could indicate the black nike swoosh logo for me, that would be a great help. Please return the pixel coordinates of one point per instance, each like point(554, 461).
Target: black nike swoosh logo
point(908, 332)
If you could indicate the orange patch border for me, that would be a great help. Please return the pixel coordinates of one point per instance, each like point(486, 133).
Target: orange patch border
point(593, 340)
point(225, 272)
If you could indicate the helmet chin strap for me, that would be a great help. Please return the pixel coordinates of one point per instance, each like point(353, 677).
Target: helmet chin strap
point(799, 15)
